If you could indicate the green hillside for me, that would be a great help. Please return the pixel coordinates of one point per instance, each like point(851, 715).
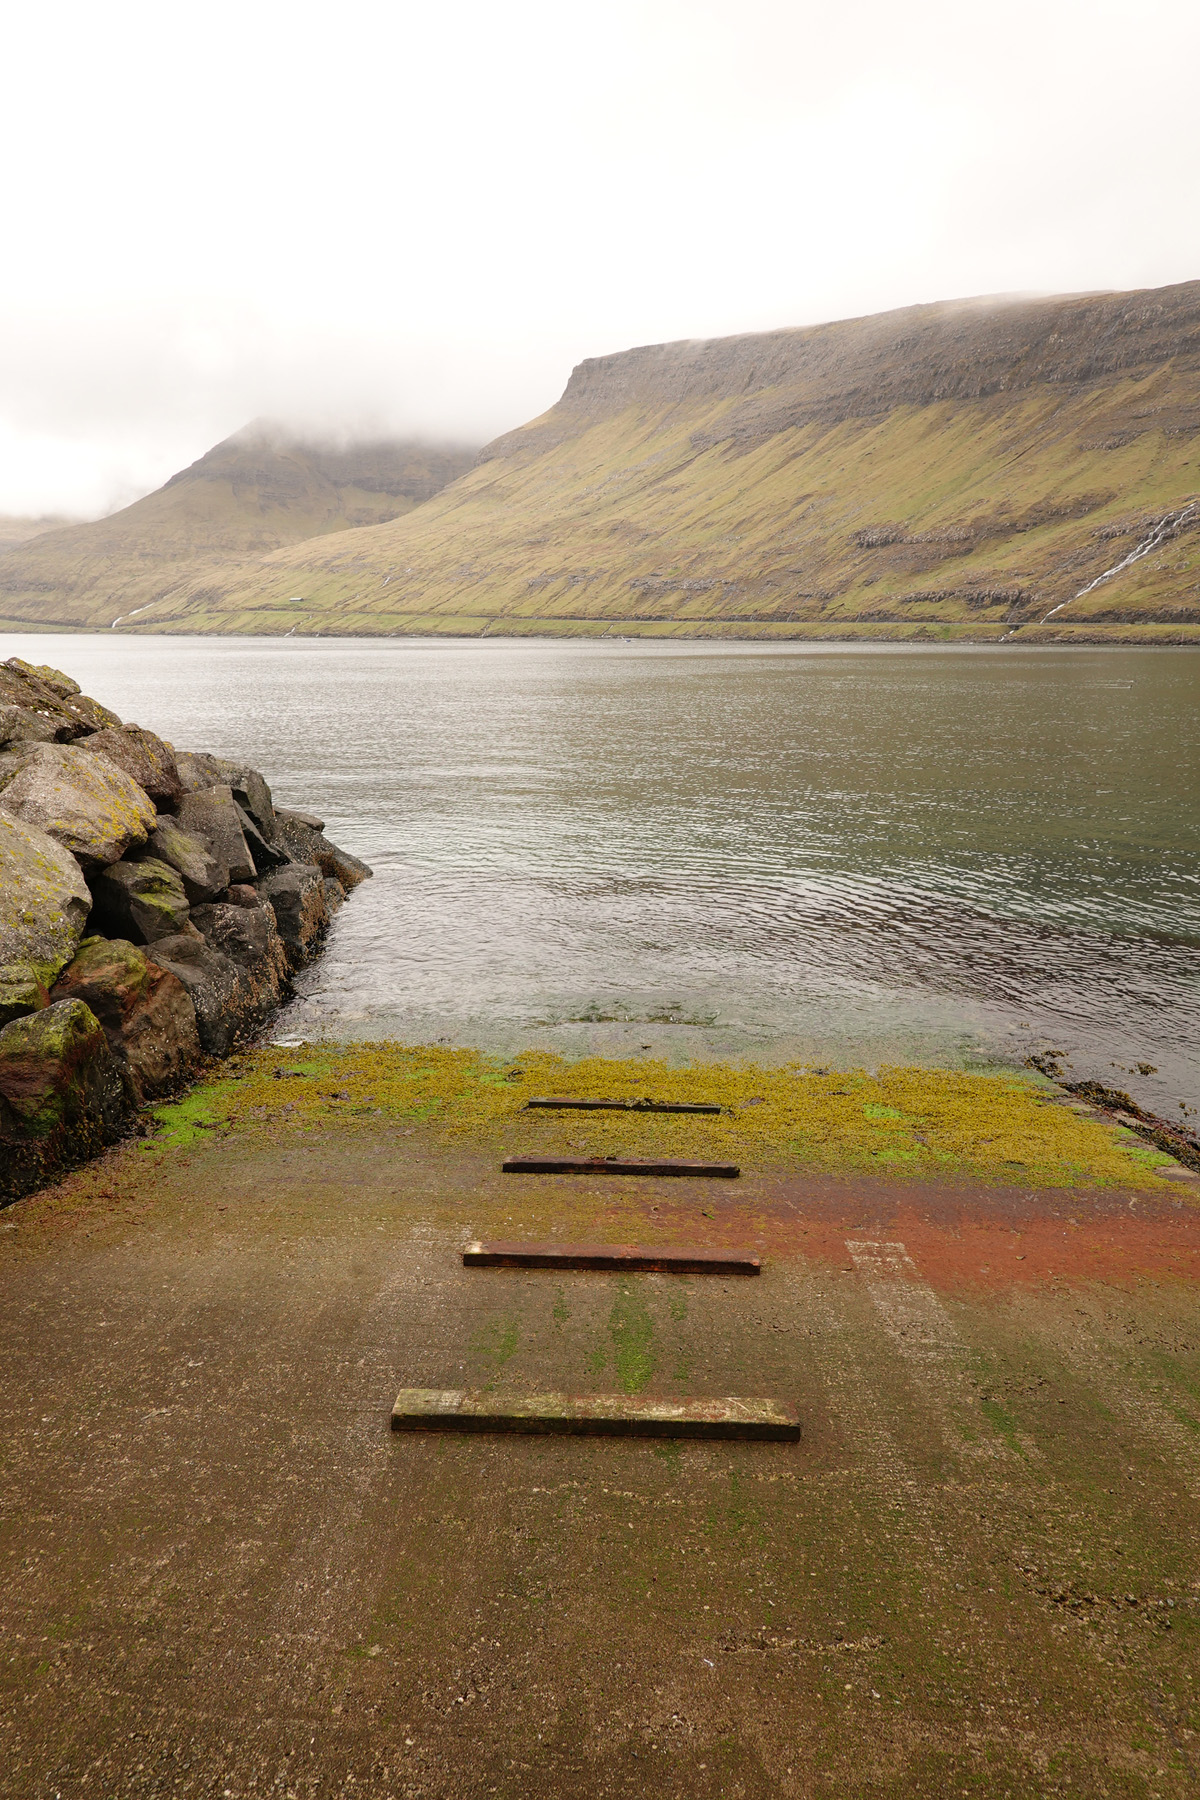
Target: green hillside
point(244, 498)
point(947, 471)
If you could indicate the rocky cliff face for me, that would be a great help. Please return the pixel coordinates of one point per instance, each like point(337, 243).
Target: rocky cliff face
point(154, 905)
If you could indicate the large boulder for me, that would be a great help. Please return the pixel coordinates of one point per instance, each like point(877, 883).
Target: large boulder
point(203, 876)
point(142, 755)
point(44, 904)
point(142, 900)
point(211, 981)
point(54, 695)
point(304, 836)
point(296, 895)
point(250, 937)
point(92, 808)
point(147, 1015)
point(232, 975)
point(198, 770)
point(266, 856)
point(252, 794)
point(63, 1094)
point(211, 814)
point(22, 725)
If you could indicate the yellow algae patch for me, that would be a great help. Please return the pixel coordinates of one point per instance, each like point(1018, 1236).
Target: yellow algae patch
point(911, 1122)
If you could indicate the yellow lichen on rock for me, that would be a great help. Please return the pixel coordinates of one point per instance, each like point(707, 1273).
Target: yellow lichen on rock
point(92, 808)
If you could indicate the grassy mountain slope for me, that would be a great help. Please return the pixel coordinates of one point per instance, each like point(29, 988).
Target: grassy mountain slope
point(244, 498)
point(956, 470)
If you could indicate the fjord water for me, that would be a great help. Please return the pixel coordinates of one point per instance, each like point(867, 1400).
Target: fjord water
point(841, 854)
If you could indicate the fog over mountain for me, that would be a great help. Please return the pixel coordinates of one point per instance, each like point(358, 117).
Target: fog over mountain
point(415, 222)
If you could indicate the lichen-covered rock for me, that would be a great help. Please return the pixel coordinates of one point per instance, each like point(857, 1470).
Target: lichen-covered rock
point(92, 808)
point(203, 876)
point(53, 694)
point(146, 1012)
point(198, 770)
point(233, 1000)
point(22, 725)
point(61, 685)
point(63, 1094)
point(308, 844)
point(211, 814)
point(142, 755)
point(142, 900)
point(22, 990)
point(297, 898)
point(44, 904)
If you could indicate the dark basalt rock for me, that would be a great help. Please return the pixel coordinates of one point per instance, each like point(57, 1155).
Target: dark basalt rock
point(211, 814)
point(142, 900)
point(297, 897)
point(203, 876)
point(233, 999)
point(198, 771)
point(309, 845)
point(198, 914)
point(266, 856)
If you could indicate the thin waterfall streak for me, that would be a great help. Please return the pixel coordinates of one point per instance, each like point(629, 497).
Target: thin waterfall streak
point(1166, 528)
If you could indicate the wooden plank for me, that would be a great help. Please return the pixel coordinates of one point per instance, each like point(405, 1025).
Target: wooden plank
point(611, 1165)
point(651, 1106)
point(638, 1258)
point(594, 1415)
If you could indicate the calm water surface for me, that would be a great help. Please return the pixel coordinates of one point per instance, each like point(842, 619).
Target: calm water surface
point(835, 853)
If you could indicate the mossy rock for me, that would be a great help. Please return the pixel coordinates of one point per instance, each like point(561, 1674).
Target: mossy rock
point(44, 904)
point(63, 1094)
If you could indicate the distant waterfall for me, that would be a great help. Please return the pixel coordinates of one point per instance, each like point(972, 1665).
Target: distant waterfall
point(1160, 533)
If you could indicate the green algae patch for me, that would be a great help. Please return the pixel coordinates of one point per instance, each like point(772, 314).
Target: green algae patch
point(191, 1119)
point(908, 1122)
point(632, 1334)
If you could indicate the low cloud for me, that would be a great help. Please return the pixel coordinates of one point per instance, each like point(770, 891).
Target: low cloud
point(415, 221)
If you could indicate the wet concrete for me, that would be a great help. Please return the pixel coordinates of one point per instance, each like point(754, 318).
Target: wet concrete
point(224, 1576)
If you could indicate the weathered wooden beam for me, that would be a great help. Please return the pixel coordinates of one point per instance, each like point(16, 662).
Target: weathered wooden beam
point(631, 1257)
point(594, 1415)
point(611, 1165)
point(653, 1106)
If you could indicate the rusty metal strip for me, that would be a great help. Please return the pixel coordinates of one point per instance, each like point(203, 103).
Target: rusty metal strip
point(592, 1415)
point(611, 1165)
point(642, 1259)
point(651, 1106)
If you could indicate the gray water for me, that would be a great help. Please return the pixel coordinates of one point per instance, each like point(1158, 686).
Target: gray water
point(840, 854)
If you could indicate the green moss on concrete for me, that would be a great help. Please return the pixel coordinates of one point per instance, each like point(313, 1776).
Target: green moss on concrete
point(918, 1122)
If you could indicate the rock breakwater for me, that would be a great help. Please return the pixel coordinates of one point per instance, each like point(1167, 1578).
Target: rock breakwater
point(154, 906)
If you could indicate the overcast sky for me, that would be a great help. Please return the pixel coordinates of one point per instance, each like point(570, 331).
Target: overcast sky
point(414, 217)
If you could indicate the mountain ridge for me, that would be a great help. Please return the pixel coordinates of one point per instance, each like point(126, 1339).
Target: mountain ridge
point(252, 492)
point(971, 469)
